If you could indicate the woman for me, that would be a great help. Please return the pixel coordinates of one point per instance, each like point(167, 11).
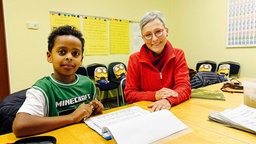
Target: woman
point(158, 72)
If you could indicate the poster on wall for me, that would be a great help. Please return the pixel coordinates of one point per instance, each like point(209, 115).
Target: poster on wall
point(103, 36)
point(60, 19)
point(119, 32)
point(241, 23)
point(96, 35)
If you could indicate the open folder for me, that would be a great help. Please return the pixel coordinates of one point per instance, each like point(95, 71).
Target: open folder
point(135, 125)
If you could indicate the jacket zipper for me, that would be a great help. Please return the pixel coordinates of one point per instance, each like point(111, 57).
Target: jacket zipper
point(161, 77)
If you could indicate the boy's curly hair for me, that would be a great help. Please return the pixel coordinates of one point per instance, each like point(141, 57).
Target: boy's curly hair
point(64, 30)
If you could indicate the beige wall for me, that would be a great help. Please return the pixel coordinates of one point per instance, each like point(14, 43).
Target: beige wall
point(196, 26)
point(200, 30)
point(27, 48)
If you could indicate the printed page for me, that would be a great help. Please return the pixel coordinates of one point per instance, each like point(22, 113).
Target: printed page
point(242, 117)
point(146, 129)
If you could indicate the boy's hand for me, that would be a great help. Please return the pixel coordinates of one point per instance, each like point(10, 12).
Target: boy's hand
point(82, 112)
point(97, 106)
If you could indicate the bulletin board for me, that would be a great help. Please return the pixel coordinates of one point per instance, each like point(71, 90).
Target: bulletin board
point(103, 36)
point(241, 23)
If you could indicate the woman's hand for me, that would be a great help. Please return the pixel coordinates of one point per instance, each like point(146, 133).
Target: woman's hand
point(159, 105)
point(164, 93)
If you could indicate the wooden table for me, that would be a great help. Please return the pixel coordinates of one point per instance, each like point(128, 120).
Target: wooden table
point(194, 113)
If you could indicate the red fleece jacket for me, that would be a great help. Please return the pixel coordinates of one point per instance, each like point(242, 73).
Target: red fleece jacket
point(143, 79)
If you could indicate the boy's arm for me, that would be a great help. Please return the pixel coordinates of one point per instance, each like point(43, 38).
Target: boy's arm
point(25, 124)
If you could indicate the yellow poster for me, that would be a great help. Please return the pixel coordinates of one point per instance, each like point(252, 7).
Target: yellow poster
point(96, 35)
point(103, 36)
point(119, 36)
point(60, 19)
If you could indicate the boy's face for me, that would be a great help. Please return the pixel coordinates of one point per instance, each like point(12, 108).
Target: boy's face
point(66, 57)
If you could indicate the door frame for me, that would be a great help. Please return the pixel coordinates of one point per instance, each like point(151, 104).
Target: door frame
point(4, 73)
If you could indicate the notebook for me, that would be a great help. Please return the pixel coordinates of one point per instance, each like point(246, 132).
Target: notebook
point(207, 94)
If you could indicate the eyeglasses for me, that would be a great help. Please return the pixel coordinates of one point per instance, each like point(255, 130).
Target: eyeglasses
point(149, 36)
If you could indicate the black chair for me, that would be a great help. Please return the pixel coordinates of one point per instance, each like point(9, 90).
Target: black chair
point(116, 71)
point(102, 87)
point(91, 68)
point(206, 65)
point(8, 109)
point(122, 86)
point(234, 68)
point(82, 71)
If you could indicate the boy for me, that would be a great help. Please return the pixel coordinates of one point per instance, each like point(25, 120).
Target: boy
point(63, 98)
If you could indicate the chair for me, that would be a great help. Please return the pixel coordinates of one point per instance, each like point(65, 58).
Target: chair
point(234, 68)
point(82, 70)
point(122, 86)
point(224, 69)
point(8, 109)
point(116, 71)
point(91, 68)
point(101, 75)
point(102, 83)
point(206, 65)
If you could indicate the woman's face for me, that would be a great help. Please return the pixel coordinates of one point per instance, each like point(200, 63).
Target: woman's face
point(154, 35)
